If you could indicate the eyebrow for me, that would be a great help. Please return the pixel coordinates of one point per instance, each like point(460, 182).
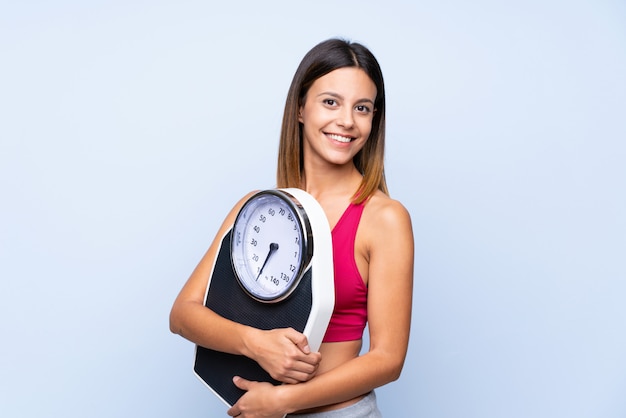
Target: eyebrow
point(339, 96)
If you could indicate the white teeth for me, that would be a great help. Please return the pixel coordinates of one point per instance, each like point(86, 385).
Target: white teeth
point(340, 138)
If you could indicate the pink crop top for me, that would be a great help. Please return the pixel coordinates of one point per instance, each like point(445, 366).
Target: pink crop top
point(350, 313)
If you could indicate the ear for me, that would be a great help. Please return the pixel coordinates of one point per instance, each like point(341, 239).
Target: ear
point(300, 114)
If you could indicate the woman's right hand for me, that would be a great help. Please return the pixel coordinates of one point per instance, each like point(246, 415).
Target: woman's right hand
point(284, 353)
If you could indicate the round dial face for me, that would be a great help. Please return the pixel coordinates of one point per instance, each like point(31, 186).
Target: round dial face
point(270, 246)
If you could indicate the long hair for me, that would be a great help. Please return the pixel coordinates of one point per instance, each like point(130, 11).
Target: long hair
point(319, 61)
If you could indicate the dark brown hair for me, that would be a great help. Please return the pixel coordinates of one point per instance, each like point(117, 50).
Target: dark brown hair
point(319, 61)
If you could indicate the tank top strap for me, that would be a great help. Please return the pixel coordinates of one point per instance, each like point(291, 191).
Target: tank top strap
point(350, 219)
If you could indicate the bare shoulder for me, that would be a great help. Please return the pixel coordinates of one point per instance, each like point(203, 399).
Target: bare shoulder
point(385, 226)
point(384, 214)
point(230, 218)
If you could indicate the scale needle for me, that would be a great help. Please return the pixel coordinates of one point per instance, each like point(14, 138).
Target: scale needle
point(273, 248)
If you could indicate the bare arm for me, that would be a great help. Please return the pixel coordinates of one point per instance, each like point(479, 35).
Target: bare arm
point(283, 353)
point(390, 285)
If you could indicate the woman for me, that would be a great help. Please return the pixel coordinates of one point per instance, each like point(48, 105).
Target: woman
point(332, 146)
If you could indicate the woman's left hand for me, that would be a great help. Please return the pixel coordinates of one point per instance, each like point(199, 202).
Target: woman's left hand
point(260, 400)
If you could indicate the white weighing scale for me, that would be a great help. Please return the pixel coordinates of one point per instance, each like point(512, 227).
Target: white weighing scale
point(274, 269)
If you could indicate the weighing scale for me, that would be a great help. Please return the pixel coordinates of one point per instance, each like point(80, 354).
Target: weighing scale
point(274, 269)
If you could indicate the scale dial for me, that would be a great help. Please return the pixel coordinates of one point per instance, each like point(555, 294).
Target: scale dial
point(271, 245)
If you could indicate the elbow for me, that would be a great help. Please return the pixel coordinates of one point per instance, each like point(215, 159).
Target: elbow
point(389, 362)
point(393, 369)
point(175, 326)
point(393, 373)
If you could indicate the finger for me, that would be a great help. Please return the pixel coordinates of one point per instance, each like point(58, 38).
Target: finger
point(241, 383)
point(234, 411)
point(304, 375)
point(300, 341)
point(302, 365)
point(299, 372)
point(308, 363)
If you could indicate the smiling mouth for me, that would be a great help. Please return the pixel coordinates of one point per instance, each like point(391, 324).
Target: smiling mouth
point(341, 138)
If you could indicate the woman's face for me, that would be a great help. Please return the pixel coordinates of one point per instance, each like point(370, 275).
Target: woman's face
point(337, 115)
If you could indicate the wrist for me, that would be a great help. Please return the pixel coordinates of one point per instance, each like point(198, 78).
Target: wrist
point(284, 398)
point(249, 338)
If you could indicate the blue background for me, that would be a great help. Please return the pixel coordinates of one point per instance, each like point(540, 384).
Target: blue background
point(129, 128)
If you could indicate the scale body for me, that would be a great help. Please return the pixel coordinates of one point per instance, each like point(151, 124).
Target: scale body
point(304, 301)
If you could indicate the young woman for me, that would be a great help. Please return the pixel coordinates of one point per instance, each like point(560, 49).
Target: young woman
point(332, 146)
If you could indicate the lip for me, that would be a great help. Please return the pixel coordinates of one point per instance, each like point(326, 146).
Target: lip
point(344, 139)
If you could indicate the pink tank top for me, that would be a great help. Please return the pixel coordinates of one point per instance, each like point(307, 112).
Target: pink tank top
point(350, 313)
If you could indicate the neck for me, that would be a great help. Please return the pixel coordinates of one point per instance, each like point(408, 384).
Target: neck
point(335, 181)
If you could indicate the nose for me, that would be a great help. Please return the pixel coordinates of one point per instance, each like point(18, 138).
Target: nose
point(346, 118)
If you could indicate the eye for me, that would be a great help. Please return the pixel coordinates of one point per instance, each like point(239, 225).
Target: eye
point(330, 102)
point(363, 109)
